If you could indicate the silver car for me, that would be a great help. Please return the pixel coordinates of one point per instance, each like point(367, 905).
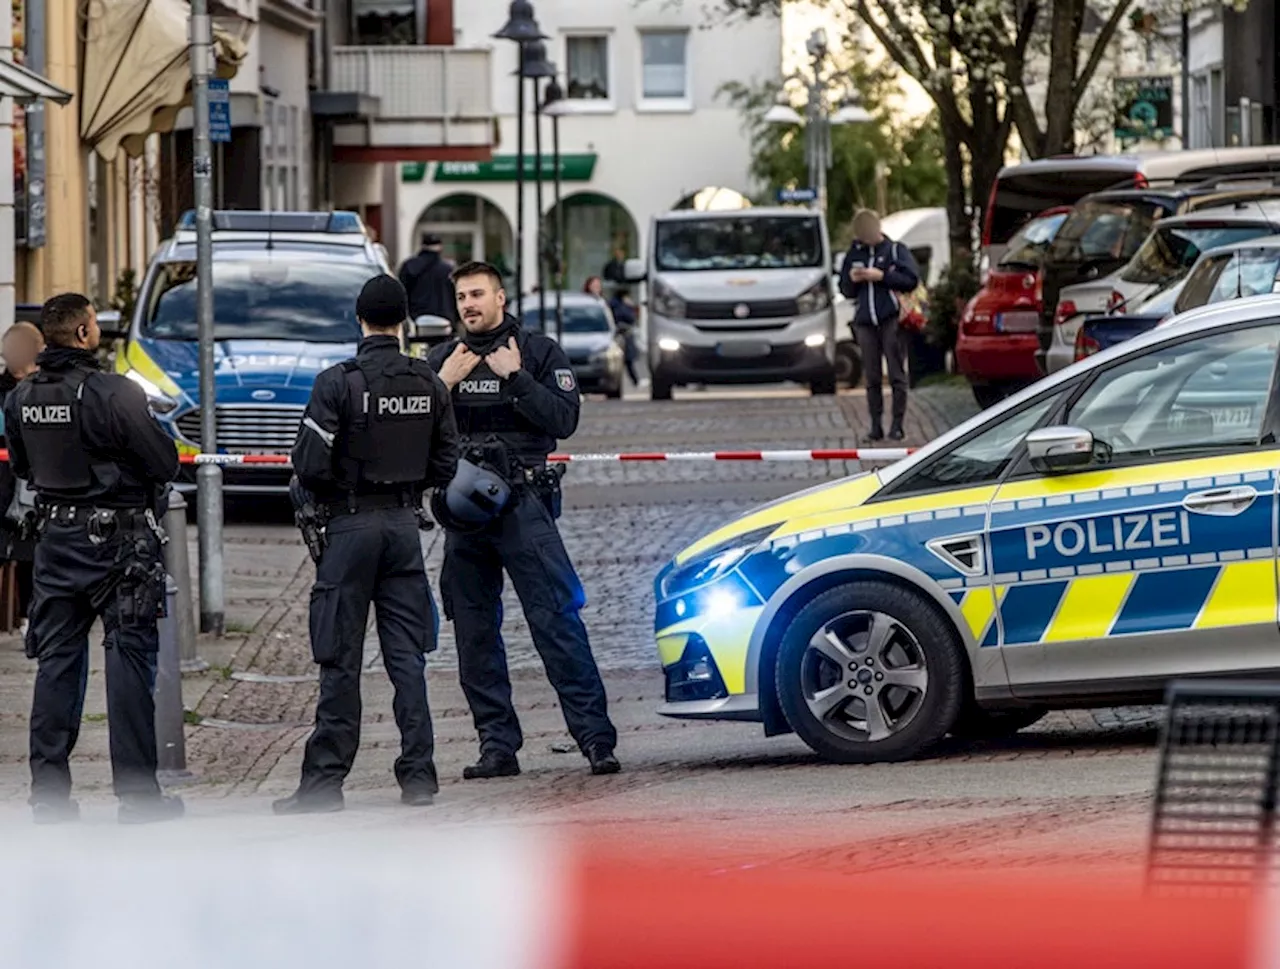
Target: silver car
point(589, 338)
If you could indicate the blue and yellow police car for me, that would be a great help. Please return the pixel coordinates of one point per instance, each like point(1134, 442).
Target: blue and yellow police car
point(1103, 531)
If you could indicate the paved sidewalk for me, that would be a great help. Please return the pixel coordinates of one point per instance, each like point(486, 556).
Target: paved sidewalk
point(251, 711)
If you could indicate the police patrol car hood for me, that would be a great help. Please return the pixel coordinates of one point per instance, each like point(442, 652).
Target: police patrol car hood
point(825, 498)
point(742, 285)
point(285, 366)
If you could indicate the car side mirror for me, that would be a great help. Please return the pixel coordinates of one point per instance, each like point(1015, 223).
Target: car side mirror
point(634, 271)
point(111, 326)
point(429, 329)
point(1056, 449)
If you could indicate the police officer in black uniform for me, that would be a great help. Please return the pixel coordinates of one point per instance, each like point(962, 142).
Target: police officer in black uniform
point(515, 395)
point(377, 432)
point(100, 465)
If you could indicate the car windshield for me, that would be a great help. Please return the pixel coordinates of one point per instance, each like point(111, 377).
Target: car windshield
point(740, 242)
point(280, 298)
point(1233, 275)
point(1029, 244)
point(1103, 231)
point(577, 319)
point(1171, 250)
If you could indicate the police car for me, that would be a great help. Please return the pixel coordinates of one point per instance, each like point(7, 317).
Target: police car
point(1078, 545)
point(285, 287)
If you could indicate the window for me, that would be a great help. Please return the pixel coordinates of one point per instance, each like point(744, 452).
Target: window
point(588, 68)
point(1028, 245)
point(1206, 393)
point(664, 59)
point(268, 130)
point(979, 460)
point(739, 243)
point(1171, 250)
point(1102, 231)
point(577, 319)
point(1248, 272)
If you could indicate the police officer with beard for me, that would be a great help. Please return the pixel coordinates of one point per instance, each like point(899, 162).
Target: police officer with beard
point(377, 432)
point(100, 464)
point(515, 395)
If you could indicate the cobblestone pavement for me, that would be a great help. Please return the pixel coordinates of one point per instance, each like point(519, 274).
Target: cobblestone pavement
point(251, 711)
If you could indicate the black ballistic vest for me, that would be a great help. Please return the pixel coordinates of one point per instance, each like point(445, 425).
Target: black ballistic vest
point(479, 406)
point(393, 417)
point(50, 419)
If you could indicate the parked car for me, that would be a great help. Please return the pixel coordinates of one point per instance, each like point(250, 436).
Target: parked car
point(1027, 188)
point(996, 343)
point(1169, 251)
point(1228, 272)
point(590, 338)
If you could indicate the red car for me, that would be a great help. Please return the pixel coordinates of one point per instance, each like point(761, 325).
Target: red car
point(997, 342)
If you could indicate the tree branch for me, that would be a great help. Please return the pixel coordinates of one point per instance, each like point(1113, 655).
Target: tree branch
point(1100, 45)
point(1021, 111)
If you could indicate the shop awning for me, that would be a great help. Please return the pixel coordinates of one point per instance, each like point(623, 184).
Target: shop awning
point(26, 86)
point(137, 71)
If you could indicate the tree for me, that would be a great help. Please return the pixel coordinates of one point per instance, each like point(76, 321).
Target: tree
point(913, 154)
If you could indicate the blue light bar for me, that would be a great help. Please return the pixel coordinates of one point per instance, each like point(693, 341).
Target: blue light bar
point(242, 221)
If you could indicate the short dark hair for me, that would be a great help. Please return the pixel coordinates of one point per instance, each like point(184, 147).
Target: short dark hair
point(62, 315)
point(477, 268)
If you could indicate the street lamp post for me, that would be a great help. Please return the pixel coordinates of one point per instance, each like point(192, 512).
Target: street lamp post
point(818, 118)
point(522, 28)
point(536, 67)
point(553, 105)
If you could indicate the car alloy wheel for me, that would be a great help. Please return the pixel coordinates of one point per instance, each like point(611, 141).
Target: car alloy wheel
point(869, 672)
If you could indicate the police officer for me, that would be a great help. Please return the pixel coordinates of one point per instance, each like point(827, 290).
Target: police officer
point(377, 431)
point(515, 394)
point(100, 465)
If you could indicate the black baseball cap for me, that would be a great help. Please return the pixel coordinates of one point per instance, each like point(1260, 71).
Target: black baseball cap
point(383, 302)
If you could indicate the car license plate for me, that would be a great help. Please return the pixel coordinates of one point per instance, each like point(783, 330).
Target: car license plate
point(1019, 322)
point(1232, 416)
point(740, 349)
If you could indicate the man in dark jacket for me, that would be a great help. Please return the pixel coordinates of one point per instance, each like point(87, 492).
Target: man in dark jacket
point(876, 269)
point(426, 280)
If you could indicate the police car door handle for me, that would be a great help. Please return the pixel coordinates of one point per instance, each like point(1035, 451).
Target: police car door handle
point(1220, 501)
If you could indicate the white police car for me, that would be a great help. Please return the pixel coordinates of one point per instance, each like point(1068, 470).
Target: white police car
point(1106, 529)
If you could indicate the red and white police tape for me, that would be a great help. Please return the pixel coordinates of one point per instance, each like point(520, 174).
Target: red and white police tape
point(383, 890)
point(817, 454)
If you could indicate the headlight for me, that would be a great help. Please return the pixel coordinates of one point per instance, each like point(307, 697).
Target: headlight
point(714, 563)
point(814, 299)
point(666, 302)
point(160, 402)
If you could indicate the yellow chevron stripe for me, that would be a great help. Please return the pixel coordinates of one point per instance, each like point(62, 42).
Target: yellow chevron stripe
point(1244, 594)
point(979, 609)
point(1089, 607)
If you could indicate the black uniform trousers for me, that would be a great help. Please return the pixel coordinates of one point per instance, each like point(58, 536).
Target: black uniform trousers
point(527, 543)
point(68, 570)
point(373, 557)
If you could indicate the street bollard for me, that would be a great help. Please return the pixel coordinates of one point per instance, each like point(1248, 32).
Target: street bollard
point(171, 741)
point(178, 564)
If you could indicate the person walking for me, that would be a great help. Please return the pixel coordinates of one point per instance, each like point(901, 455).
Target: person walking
point(100, 464)
point(377, 432)
point(425, 278)
point(20, 346)
point(875, 271)
point(515, 395)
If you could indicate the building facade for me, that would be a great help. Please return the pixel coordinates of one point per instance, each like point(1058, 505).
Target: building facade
point(646, 130)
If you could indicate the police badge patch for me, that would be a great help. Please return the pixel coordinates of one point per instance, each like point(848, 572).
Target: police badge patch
point(565, 381)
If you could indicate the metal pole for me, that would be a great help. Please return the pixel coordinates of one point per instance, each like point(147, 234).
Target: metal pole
point(1186, 80)
point(560, 267)
point(178, 565)
point(208, 476)
point(171, 741)
point(520, 182)
point(537, 183)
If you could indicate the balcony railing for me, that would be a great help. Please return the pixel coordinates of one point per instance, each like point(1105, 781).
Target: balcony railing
point(428, 96)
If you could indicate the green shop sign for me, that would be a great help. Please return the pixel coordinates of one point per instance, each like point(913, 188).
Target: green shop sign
point(502, 168)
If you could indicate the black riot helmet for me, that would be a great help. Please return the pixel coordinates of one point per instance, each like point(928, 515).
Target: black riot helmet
point(476, 496)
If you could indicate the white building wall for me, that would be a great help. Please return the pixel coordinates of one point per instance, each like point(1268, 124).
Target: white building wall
point(650, 154)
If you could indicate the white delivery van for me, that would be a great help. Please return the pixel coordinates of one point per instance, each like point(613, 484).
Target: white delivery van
point(739, 297)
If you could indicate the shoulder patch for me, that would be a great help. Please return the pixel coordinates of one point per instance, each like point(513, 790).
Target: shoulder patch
point(565, 381)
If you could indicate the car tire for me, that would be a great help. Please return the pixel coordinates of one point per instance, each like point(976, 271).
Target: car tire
point(987, 395)
point(975, 723)
point(869, 627)
point(659, 386)
point(614, 392)
point(823, 388)
point(848, 364)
